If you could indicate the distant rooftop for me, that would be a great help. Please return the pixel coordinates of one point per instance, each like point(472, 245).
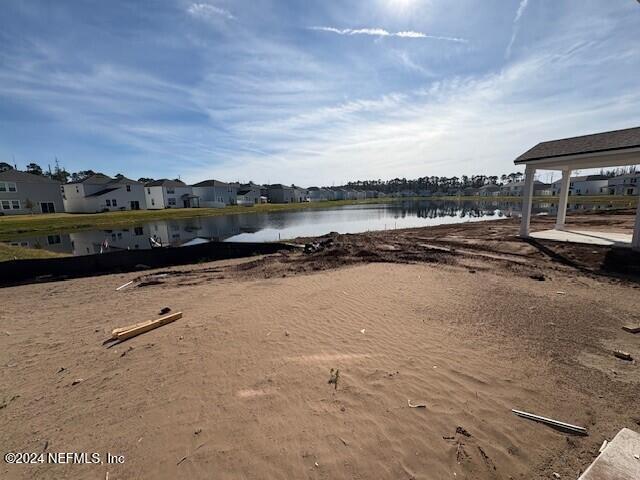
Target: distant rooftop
point(164, 182)
point(210, 183)
point(24, 177)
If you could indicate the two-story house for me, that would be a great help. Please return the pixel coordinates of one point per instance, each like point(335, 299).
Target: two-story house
point(165, 193)
point(101, 193)
point(24, 193)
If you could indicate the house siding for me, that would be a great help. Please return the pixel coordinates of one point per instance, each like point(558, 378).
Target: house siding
point(29, 196)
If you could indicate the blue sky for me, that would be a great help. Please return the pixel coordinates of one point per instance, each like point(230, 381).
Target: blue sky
point(310, 92)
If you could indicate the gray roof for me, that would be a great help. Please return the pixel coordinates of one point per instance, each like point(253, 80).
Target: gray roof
point(24, 177)
point(96, 179)
point(210, 183)
point(598, 142)
point(164, 182)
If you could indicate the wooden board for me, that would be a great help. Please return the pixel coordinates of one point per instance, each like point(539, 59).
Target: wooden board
point(631, 328)
point(116, 331)
point(145, 327)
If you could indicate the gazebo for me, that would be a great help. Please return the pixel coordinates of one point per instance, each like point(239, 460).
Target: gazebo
point(608, 149)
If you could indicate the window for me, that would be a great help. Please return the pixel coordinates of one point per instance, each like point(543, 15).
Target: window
point(77, 189)
point(108, 202)
point(171, 190)
point(15, 204)
point(53, 239)
point(114, 203)
point(148, 191)
point(138, 231)
point(12, 187)
point(3, 187)
point(119, 236)
point(8, 187)
point(6, 205)
point(171, 202)
point(153, 202)
point(128, 188)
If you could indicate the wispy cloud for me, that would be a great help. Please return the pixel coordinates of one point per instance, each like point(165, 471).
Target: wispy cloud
point(516, 26)
point(207, 11)
point(380, 32)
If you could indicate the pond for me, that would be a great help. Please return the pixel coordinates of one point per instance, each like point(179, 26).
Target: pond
point(284, 225)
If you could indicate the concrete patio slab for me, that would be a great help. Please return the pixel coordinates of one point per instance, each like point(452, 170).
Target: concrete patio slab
point(585, 236)
point(619, 460)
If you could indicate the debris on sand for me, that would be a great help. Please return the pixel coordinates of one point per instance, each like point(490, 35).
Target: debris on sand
point(623, 355)
point(549, 421)
point(461, 431)
point(315, 247)
point(164, 310)
point(77, 381)
point(334, 376)
point(417, 405)
point(631, 328)
point(124, 286)
point(124, 333)
point(538, 276)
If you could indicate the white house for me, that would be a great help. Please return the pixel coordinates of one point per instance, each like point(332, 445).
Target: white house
point(489, 190)
point(623, 185)
point(214, 193)
point(248, 194)
point(583, 185)
point(317, 194)
point(101, 193)
point(165, 193)
point(515, 189)
point(279, 193)
point(23, 193)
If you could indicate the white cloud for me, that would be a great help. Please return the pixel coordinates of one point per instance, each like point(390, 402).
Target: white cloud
point(516, 26)
point(204, 10)
point(380, 32)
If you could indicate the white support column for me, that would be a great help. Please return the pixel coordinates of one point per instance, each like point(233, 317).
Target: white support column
point(527, 193)
point(635, 242)
point(562, 200)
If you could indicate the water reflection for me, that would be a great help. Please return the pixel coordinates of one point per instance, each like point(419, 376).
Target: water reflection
point(258, 227)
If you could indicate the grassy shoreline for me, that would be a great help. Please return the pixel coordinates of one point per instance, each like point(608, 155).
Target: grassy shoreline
point(21, 226)
point(10, 252)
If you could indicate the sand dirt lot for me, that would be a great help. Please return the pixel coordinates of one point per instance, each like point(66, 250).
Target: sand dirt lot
point(470, 322)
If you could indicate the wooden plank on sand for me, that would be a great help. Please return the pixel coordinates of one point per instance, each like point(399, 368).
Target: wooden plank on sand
point(631, 328)
point(145, 327)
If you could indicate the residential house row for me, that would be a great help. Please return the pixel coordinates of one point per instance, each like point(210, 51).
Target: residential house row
point(25, 193)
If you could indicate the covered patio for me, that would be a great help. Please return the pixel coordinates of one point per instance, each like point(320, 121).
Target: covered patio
point(617, 148)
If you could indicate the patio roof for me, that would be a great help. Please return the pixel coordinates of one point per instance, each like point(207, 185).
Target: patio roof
point(606, 149)
point(614, 148)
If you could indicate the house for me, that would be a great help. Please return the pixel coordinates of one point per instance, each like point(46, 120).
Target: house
point(23, 193)
point(623, 185)
point(466, 192)
point(248, 194)
point(165, 193)
point(300, 194)
point(515, 189)
point(214, 193)
point(279, 193)
point(316, 194)
point(101, 193)
point(489, 190)
point(583, 185)
point(340, 194)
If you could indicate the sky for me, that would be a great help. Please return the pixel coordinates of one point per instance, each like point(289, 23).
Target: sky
point(310, 92)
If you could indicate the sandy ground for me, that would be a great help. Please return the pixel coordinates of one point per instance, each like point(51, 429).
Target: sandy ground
point(471, 322)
